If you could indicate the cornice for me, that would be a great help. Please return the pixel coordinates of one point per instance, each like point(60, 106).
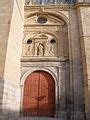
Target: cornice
point(30, 59)
point(40, 25)
point(56, 6)
point(82, 5)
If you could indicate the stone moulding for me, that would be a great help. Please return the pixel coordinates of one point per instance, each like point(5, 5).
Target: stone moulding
point(57, 6)
point(53, 13)
point(82, 5)
point(30, 59)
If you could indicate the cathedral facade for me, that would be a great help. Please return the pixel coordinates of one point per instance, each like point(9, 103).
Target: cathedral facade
point(44, 59)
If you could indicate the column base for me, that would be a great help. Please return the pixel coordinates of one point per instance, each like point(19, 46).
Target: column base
point(61, 114)
point(87, 115)
point(72, 116)
point(78, 115)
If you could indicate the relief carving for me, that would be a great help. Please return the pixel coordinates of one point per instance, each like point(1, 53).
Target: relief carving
point(50, 50)
point(40, 49)
point(29, 50)
point(41, 45)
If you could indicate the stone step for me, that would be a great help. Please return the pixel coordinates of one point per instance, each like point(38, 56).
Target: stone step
point(36, 118)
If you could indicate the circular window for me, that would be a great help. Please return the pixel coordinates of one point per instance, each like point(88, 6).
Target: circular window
point(52, 41)
point(42, 19)
point(29, 41)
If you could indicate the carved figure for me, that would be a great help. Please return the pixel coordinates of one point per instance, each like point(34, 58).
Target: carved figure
point(29, 51)
point(40, 49)
point(27, 2)
point(51, 51)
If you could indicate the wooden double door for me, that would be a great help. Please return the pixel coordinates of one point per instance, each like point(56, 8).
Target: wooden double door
point(39, 95)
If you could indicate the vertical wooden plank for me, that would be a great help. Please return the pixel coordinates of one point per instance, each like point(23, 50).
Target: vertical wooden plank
point(30, 95)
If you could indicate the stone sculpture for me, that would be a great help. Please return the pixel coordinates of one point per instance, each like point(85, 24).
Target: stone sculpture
point(40, 49)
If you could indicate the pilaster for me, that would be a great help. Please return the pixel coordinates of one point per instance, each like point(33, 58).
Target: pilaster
point(64, 91)
point(76, 74)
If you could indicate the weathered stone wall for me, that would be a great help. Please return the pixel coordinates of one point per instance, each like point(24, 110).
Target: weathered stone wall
point(84, 30)
point(76, 76)
point(11, 51)
point(5, 19)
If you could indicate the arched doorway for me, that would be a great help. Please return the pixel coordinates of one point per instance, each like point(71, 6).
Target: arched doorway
point(39, 95)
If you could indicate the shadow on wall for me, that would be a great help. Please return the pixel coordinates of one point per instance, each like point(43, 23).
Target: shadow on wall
point(7, 114)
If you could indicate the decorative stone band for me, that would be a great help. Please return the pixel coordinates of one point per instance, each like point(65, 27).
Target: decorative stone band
point(43, 2)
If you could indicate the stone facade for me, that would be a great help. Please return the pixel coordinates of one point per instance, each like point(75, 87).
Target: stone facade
point(59, 46)
point(84, 34)
point(11, 25)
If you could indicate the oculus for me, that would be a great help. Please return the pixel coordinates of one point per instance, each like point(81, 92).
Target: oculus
point(29, 41)
point(52, 41)
point(42, 20)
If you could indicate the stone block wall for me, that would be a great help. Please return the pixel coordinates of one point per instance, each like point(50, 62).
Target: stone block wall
point(11, 44)
point(11, 101)
point(84, 31)
point(5, 19)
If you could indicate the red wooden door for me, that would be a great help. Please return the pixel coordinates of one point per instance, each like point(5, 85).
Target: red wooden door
point(39, 95)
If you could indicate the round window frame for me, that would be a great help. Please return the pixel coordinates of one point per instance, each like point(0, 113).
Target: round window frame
point(52, 41)
point(29, 41)
point(44, 18)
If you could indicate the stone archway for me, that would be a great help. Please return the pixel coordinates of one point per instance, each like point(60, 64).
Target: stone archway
point(39, 94)
point(58, 32)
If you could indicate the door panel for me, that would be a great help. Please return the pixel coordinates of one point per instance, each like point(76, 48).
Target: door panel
point(39, 95)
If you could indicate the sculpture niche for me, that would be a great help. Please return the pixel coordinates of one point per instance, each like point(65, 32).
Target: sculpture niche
point(40, 49)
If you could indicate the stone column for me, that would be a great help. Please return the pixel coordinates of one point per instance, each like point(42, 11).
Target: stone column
point(21, 100)
point(57, 99)
point(76, 75)
point(67, 87)
point(83, 14)
point(77, 90)
point(62, 91)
